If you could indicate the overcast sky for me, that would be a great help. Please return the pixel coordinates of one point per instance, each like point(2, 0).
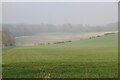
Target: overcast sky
point(60, 13)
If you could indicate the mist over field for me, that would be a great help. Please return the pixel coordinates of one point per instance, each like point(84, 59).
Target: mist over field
point(32, 29)
point(44, 22)
point(38, 33)
point(59, 40)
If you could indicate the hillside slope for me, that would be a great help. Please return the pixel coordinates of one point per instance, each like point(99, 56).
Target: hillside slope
point(92, 58)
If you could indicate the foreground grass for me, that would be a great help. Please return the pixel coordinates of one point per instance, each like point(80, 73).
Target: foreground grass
point(93, 58)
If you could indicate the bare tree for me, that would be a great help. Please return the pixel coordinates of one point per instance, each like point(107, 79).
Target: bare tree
point(7, 39)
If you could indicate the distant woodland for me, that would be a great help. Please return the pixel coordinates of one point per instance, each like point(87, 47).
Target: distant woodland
point(10, 31)
point(31, 29)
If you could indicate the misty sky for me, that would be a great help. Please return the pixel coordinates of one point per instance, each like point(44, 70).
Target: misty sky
point(60, 13)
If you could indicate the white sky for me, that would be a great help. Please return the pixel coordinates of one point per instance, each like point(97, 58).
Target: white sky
point(93, 13)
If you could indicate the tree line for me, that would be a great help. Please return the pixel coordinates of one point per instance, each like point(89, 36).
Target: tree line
point(31, 29)
point(10, 31)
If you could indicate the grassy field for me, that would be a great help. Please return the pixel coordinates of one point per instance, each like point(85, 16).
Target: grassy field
point(92, 58)
point(54, 37)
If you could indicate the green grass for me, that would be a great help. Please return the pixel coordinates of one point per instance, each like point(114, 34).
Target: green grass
point(92, 58)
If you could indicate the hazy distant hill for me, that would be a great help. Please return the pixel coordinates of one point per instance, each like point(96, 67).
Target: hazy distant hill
point(32, 29)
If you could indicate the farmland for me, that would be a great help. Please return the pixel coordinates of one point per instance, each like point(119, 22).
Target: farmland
point(51, 37)
point(90, 58)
